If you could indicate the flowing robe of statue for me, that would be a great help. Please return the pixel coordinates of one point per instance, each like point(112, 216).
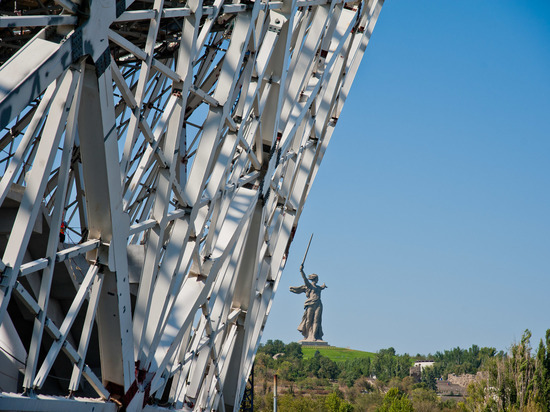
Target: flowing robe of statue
point(311, 327)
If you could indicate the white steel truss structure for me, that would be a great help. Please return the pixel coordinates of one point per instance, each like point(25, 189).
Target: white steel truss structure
point(174, 144)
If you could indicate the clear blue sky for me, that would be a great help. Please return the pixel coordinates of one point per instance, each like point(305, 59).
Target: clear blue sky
point(431, 210)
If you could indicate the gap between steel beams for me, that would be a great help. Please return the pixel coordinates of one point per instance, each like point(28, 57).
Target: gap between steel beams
point(55, 333)
point(142, 55)
point(64, 330)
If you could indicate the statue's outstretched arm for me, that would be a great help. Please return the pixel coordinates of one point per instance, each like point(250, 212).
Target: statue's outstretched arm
point(306, 281)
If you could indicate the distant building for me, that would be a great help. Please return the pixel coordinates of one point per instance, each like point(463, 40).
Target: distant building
point(424, 364)
point(416, 370)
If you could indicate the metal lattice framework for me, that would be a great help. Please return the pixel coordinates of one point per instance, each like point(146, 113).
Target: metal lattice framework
point(177, 142)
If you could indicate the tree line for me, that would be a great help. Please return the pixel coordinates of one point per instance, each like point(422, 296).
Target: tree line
point(516, 380)
point(383, 366)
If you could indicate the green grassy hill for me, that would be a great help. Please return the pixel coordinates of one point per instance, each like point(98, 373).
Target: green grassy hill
point(334, 353)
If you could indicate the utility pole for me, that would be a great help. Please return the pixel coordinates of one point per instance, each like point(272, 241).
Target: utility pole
point(274, 393)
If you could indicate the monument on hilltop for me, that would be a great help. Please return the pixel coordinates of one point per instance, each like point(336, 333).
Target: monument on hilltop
point(311, 324)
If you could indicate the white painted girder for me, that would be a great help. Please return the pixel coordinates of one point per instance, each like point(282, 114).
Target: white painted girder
point(200, 130)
